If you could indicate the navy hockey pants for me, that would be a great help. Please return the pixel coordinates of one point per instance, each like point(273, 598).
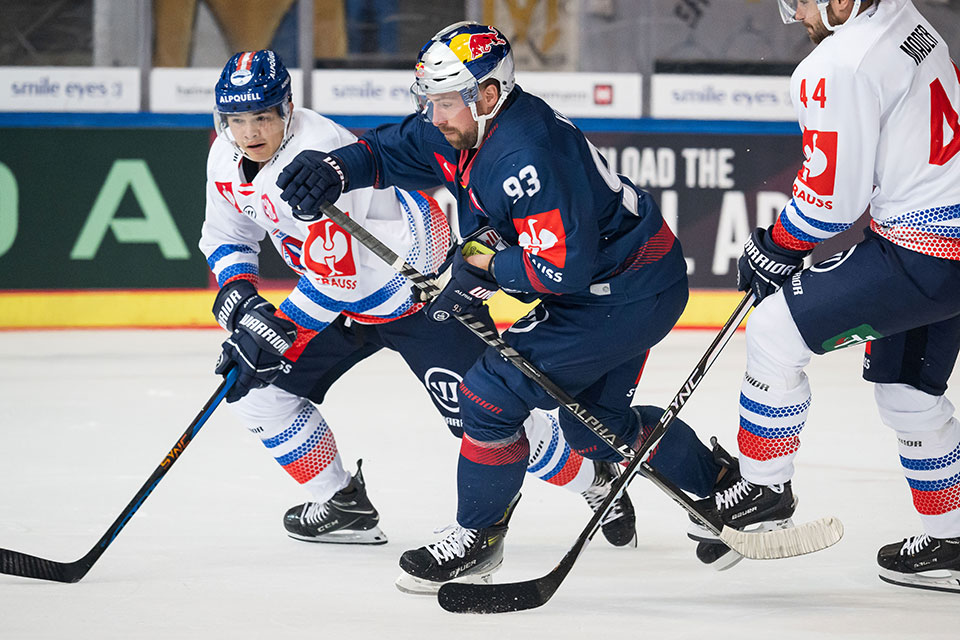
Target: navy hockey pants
point(905, 305)
point(594, 353)
point(438, 354)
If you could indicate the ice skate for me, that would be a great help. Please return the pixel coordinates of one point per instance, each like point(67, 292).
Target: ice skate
point(463, 555)
point(741, 505)
point(620, 524)
point(346, 518)
point(922, 562)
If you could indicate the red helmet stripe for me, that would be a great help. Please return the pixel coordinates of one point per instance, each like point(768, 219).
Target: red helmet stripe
point(246, 59)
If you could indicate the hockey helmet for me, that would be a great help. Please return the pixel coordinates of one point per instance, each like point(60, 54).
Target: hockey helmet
point(252, 81)
point(459, 59)
point(788, 11)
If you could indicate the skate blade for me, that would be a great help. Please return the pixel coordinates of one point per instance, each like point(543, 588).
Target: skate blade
point(346, 536)
point(419, 587)
point(937, 580)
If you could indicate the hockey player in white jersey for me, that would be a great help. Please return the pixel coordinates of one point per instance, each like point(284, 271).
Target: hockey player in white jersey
point(346, 306)
point(878, 101)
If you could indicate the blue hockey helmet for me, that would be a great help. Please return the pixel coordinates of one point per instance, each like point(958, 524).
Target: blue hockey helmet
point(460, 58)
point(253, 81)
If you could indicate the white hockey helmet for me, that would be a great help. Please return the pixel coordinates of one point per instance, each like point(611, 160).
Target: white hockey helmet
point(788, 11)
point(459, 59)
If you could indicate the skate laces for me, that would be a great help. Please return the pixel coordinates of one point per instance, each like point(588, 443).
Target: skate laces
point(914, 544)
point(595, 496)
point(454, 545)
point(314, 512)
point(729, 497)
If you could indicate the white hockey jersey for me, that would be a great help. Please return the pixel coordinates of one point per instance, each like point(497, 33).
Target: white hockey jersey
point(337, 274)
point(878, 103)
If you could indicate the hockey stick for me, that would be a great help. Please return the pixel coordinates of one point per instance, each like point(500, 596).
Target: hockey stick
point(749, 544)
point(15, 563)
point(519, 596)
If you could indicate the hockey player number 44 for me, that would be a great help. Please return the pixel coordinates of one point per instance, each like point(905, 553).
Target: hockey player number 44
point(941, 110)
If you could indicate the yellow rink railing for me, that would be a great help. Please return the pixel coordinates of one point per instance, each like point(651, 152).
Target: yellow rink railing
point(190, 308)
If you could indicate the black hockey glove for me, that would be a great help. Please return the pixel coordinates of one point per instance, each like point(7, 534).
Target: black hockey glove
point(311, 178)
point(466, 292)
point(255, 347)
point(765, 265)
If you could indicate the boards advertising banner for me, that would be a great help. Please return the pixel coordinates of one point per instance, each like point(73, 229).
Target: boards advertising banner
point(101, 208)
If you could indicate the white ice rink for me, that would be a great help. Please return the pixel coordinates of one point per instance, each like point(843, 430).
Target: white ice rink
point(85, 417)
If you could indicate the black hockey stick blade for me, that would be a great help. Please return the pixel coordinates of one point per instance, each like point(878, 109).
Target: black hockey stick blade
point(457, 597)
point(14, 563)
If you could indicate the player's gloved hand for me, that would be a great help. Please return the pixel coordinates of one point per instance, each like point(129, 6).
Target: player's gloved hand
point(484, 240)
point(255, 347)
point(468, 288)
point(311, 178)
point(229, 300)
point(765, 265)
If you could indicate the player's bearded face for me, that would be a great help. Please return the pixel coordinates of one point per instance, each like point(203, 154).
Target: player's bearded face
point(259, 134)
point(452, 117)
point(809, 15)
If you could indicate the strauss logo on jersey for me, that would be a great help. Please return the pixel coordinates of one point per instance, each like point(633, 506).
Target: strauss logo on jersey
point(819, 170)
point(328, 252)
point(542, 235)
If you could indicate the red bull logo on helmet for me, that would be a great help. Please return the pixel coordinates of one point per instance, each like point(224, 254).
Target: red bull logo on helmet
point(470, 46)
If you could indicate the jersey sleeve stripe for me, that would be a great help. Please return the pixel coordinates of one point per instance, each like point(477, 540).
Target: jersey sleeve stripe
point(796, 232)
point(243, 270)
point(831, 228)
point(225, 250)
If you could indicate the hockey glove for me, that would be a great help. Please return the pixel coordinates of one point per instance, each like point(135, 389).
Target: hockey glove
point(484, 240)
point(311, 179)
point(765, 265)
point(255, 347)
point(467, 290)
point(229, 300)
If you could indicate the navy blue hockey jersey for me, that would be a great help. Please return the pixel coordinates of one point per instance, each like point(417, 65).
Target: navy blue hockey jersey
point(576, 228)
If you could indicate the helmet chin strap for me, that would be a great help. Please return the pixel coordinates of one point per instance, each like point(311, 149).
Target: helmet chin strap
point(482, 120)
point(826, 20)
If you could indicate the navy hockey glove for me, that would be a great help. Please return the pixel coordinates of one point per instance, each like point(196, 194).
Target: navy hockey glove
point(311, 179)
point(765, 265)
point(484, 240)
point(229, 300)
point(255, 347)
point(468, 288)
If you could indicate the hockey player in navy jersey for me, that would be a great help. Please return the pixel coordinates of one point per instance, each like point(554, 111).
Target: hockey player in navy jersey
point(877, 100)
point(586, 242)
point(346, 306)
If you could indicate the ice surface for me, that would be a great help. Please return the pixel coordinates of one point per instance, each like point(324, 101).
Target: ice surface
point(86, 416)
